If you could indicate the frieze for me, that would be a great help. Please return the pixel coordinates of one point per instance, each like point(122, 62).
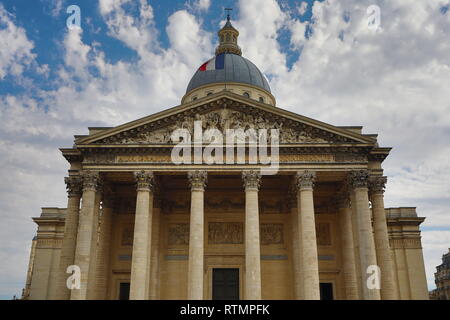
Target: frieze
point(178, 234)
point(225, 233)
point(271, 233)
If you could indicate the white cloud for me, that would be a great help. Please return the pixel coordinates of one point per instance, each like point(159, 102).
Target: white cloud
point(202, 5)
point(16, 53)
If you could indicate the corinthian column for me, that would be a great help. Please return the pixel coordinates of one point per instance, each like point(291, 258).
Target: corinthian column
point(383, 251)
point(296, 245)
point(358, 181)
point(140, 263)
point(74, 186)
point(307, 227)
point(198, 181)
point(87, 231)
point(252, 181)
point(348, 249)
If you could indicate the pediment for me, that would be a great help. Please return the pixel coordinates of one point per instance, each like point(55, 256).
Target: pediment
point(225, 111)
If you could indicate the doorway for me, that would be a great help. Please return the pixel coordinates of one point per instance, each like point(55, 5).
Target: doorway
point(225, 284)
point(326, 291)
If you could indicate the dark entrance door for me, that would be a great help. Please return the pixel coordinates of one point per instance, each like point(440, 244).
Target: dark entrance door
point(326, 291)
point(124, 291)
point(225, 284)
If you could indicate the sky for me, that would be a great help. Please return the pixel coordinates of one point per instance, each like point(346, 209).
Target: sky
point(132, 58)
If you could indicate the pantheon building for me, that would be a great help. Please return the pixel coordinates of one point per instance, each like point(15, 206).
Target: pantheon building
point(140, 226)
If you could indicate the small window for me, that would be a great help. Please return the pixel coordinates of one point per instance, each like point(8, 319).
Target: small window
point(246, 94)
point(209, 93)
point(194, 98)
point(261, 99)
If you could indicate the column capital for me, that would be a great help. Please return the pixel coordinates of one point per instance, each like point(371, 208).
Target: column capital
point(74, 186)
point(91, 181)
point(342, 200)
point(252, 179)
point(358, 179)
point(377, 184)
point(145, 180)
point(198, 179)
point(305, 179)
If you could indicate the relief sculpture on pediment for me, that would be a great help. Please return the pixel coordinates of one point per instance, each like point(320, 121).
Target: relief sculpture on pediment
point(222, 120)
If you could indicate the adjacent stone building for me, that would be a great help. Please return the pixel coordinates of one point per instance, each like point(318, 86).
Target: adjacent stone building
point(138, 225)
point(442, 279)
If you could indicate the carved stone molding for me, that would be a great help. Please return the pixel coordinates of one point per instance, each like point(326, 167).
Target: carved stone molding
point(91, 181)
point(252, 179)
point(272, 233)
point(225, 233)
point(305, 179)
point(377, 184)
point(74, 186)
point(405, 243)
point(145, 180)
point(225, 114)
point(198, 179)
point(178, 234)
point(358, 179)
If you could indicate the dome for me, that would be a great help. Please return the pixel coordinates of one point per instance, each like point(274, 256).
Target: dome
point(229, 67)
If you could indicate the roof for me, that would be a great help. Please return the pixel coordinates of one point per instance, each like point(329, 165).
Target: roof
point(237, 69)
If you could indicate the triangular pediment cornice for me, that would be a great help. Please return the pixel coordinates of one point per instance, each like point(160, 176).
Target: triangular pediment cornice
point(225, 105)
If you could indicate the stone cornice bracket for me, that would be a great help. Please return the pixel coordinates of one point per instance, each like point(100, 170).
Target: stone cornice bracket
point(305, 179)
point(198, 180)
point(358, 179)
point(377, 184)
point(252, 179)
point(91, 181)
point(145, 180)
point(74, 186)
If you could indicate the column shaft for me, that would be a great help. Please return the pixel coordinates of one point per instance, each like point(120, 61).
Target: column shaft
point(85, 248)
point(140, 263)
point(196, 235)
point(154, 270)
point(383, 251)
point(252, 180)
point(296, 250)
point(67, 257)
point(307, 227)
point(348, 249)
point(367, 252)
point(103, 251)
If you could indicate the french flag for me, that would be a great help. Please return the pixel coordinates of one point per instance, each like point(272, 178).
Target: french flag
point(216, 63)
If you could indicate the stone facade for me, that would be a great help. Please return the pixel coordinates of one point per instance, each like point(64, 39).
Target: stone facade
point(293, 230)
point(140, 225)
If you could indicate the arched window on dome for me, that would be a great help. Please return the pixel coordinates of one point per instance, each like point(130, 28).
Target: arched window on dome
point(194, 98)
point(246, 94)
point(209, 93)
point(261, 99)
